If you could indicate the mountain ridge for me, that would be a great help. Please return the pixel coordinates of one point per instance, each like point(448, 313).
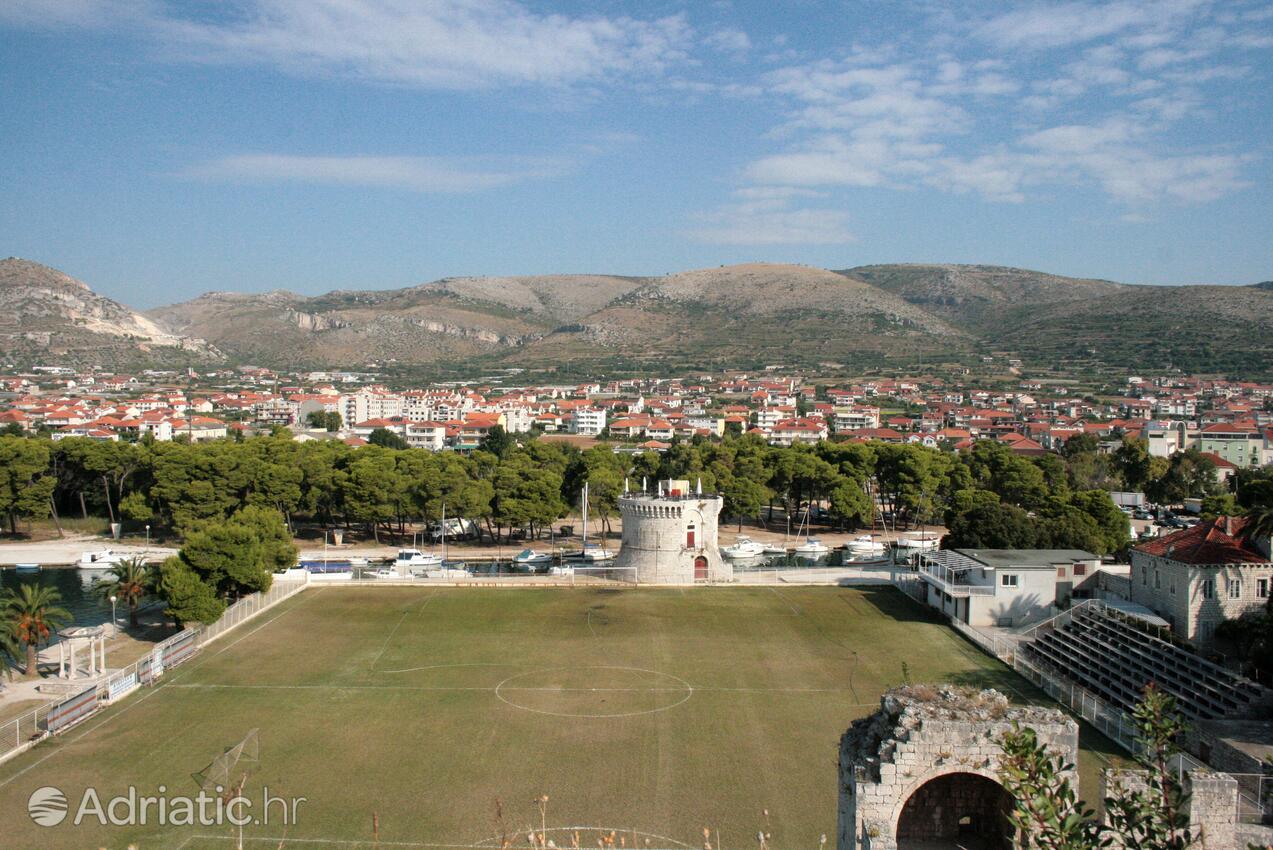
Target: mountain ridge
point(741, 316)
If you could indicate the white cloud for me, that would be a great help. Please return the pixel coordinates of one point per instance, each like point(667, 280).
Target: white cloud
point(53, 14)
point(1051, 25)
point(762, 216)
point(728, 41)
point(1126, 73)
point(411, 173)
point(450, 44)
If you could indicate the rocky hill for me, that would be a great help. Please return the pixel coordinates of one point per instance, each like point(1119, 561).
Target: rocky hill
point(976, 296)
point(45, 313)
point(1074, 322)
point(744, 316)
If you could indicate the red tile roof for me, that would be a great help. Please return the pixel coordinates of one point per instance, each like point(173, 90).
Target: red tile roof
point(1217, 541)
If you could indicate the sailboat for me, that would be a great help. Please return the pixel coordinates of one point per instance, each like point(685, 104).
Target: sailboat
point(592, 552)
point(812, 547)
point(445, 568)
point(776, 549)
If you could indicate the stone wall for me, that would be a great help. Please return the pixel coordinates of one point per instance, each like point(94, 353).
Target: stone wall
point(1174, 591)
point(1213, 804)
point(944, 736)
point(655, 541)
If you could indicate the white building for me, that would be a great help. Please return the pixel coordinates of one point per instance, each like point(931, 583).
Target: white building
point(1003, 587)
point(426, 435)
point(590, 421)
point(856, 418)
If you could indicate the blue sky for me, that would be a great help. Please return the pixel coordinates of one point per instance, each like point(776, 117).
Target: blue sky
point(161, 149)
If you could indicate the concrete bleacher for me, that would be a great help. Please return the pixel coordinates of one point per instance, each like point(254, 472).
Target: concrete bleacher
point(1106, 654)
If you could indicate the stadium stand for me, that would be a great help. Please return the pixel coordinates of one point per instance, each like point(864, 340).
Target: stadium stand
point(1105, 652)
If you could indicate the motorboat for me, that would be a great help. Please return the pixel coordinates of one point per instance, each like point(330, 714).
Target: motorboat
point(413, 560)
point(291, 573)
point(865, 544)
point(744, 547)
point(595, 553)
point(390, 572)
point(867, 561)
point(449, 570)
point(324, 568)
point(774, 549)
point(919, 544)
point(812, 547)
point(531, 558)
point(26, 569)
point(103, 559)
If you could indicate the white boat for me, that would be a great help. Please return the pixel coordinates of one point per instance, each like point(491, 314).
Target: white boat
point(448, 571)
point(744, 547)
point(565, 570)
point(865, 545)
point(592, 552)
point(26, 569)
point(773, 549)
point(103, 559)
point(919, 544)
point(390, 572)
point(531, 558)
point(410, 560)
point(812, 547)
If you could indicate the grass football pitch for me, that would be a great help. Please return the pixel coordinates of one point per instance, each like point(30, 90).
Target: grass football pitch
point(419, 717)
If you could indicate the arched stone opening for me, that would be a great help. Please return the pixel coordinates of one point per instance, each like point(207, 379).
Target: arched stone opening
point(962, 810)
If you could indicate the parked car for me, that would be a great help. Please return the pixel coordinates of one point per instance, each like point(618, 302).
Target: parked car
point(1142, 514)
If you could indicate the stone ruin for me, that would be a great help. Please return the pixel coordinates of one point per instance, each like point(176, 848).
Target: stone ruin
point(923, 770)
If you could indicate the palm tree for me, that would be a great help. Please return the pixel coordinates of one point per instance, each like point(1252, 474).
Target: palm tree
point(1260, 522)
point(32, 615)
point(129, 581)
point(9, 650)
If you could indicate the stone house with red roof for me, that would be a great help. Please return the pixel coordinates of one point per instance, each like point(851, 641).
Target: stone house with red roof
point(1198, 577)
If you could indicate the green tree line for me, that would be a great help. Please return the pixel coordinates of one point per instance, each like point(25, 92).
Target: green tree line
point(988, 496)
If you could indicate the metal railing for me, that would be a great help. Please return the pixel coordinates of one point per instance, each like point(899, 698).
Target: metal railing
point(24, 732)
point(1002, 648)
point(936, 575)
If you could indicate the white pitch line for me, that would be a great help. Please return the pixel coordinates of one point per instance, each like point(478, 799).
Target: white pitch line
point(111, 715)
point(541, 689)
point(395, 628)
point(232, 643)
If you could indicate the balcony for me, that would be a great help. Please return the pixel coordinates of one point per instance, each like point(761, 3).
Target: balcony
point(950, 572)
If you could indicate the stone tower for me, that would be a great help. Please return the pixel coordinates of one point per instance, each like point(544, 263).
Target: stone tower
point(669, 536)
point(923, 770)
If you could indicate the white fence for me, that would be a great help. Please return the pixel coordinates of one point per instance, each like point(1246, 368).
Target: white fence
point(26, 731)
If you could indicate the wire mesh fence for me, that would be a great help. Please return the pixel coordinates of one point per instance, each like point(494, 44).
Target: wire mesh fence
point(23, 732)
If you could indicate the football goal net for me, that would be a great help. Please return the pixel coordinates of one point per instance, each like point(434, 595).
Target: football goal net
point(219, 776)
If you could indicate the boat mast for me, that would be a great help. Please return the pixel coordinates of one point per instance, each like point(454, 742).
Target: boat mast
point(444, 533)
point(585, 516)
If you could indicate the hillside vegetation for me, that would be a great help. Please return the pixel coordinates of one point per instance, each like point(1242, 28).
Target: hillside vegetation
point(745, 316)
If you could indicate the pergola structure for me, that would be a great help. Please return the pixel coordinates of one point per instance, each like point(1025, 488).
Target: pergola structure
point(73, 641)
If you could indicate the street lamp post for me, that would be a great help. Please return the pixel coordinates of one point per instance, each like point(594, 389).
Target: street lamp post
point(147, 534)
point(114, 624)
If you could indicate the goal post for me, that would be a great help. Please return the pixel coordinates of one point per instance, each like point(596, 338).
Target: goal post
point(218, 776)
